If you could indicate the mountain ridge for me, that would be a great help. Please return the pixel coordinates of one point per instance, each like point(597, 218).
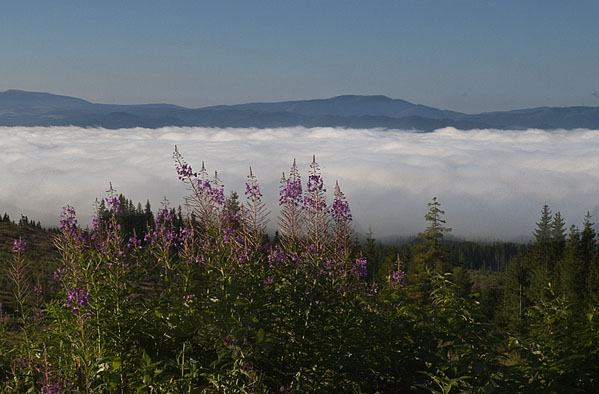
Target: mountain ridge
point(23, 108)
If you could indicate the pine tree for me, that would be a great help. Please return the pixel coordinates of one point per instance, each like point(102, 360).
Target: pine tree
point(430, 255)
point(569, 268)
point(373, 258)
point(233, 211)
point(588, 253)
point(558, 237)
point(148, 215)
point(541, 258)
point(543, 231)
point(587, 240)
point(515, 292)
point(463, 281)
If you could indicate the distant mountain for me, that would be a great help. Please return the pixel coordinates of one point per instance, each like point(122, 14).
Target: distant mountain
point(349, 106)
point(12, 99)
point(542, 118)
point(20, 108)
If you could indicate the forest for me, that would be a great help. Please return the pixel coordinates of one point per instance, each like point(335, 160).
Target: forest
point(200, 299)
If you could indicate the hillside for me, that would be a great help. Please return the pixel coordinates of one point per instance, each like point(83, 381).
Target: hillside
point(20, 108)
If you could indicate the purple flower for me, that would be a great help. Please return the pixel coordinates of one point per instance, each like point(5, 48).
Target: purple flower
point(185, 171)
point(276, 255)
point(96, 223)
point(397, 278)
point(215, 194)
point(359, 268)
point(38, 290)
point(374, 290)
point(163, 216)
point(315, 188)
point(51, 389)
point(228, 235)
point(76, 298)
point(134, 243)
point(114, 202)
point(252, 190)
point(58, 272)
point(19, 245)
point(189, 297)
point(291, 192)
point(315, 183)
point(197, 260)
point(340, 209)
point(164, 231)
point(67, 218)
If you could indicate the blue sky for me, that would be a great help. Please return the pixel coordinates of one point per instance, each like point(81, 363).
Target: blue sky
point(468, 56)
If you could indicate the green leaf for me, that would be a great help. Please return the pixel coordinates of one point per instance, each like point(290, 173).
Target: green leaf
point(116, 363)
point(260, 336)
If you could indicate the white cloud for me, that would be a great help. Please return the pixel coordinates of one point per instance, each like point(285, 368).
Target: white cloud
point(492, 183)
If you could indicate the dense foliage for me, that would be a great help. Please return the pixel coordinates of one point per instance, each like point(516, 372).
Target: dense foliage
point(205, 302)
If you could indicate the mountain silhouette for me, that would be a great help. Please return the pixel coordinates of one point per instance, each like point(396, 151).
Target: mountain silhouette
point(21, 108)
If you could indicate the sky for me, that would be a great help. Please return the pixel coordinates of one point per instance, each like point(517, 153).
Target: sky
point(492, 184)
point(468, 56)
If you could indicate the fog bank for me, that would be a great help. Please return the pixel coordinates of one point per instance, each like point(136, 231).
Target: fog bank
point(492, 184)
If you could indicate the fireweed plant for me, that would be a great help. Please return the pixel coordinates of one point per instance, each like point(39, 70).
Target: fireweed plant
point(216, 306)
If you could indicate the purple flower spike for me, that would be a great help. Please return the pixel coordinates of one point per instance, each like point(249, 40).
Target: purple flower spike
point(340, 209)
point(19, 245)
point(67, 218)
point(114, 202)
point(185, 171)
point(76, 298)
point(359, 268)
point(38, 290)
point(134, 243)
point(291, 193)
point(397, 279)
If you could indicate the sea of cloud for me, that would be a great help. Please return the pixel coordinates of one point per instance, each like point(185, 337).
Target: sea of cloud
point(491, 183)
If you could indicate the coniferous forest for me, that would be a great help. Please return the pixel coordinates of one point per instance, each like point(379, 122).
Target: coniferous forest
point(199, 299)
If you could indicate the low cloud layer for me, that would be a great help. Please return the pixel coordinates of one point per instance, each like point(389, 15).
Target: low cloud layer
point(492, 184)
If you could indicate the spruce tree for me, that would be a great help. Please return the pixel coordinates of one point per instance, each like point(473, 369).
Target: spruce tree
point(588, 253)
point(373, 258)
point(541, 260)
point(515, 292)
point(569, 268)
point(148, 215)
point(544, 229)
point(558, 237)
point(430, 255)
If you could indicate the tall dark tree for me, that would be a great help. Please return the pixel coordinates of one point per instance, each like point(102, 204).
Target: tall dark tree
point(588, 243)
point(588, 258)
point(543, 231)
point(148, 214)
point(569, 267)
point(541, 261)
point(371, 252)
point(558, 237)
point(430, 255)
